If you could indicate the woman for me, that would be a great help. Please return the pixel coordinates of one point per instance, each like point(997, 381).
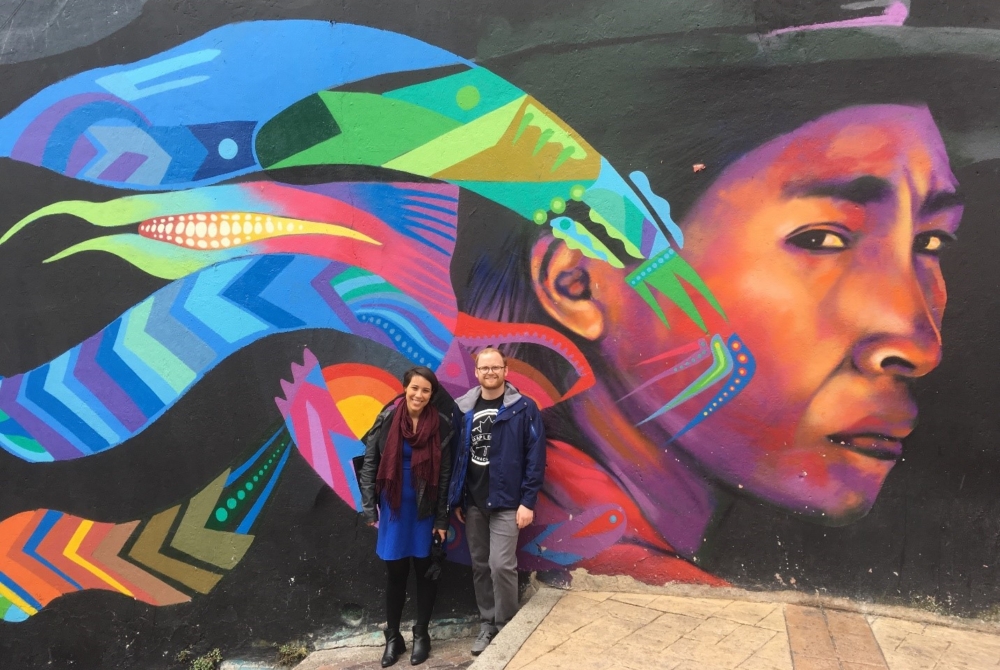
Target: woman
point(407, 469)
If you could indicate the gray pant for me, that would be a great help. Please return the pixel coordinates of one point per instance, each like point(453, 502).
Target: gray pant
point(493, 545)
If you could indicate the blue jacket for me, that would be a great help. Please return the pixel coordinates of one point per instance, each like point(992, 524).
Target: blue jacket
point(517, 451)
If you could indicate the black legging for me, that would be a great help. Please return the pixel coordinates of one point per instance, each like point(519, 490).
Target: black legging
point(398, 572)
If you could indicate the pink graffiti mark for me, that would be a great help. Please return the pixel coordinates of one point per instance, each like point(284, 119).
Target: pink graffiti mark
point(895, 14)
point(702, 352)
point(319, 430)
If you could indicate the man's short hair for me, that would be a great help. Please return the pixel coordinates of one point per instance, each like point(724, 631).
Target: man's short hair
point(491, 350)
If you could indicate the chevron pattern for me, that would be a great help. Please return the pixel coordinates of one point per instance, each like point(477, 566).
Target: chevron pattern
point(117, 382)
point(163, 560)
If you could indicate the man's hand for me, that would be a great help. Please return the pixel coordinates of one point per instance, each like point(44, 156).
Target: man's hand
point(459, 514)
point(524, 517)
point(442, 534)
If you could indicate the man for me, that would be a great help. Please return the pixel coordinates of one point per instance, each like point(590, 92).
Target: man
point(499, 471)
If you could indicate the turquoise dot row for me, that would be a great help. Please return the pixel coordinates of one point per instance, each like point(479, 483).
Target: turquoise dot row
point(651, 266)
point(221, 513)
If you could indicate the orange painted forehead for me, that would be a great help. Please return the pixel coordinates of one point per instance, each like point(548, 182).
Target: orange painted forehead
point(887, 141)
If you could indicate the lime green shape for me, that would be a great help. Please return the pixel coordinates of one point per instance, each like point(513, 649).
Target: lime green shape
point(121, 212)
point(373, 130)
point(467, 97)
point(576, 193)
point(525, 198)
point(464, 96)
point(159, 259)
point(577, 237)
point(540, 216)
point(662, 272)
point(551, 131)
point(459, 144)
point(619, 216)
point(558, 205)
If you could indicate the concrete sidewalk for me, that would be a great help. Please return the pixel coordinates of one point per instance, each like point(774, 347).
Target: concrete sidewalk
point(634, 631)
point(616, 624)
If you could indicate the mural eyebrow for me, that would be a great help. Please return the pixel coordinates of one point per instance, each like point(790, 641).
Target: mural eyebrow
point(861, 191)
point(940, 201)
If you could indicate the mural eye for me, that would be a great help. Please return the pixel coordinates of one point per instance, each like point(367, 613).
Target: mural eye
point(819, 240)
point(932, 243)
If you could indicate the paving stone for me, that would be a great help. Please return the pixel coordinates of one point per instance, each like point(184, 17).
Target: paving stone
point(774, 621)
point(748, 638)
point(923, 647)
point(808, 634)
point(888, 634)
point(744, 612)
point(656, 637)
point(634, 655)
point(800, 662)
point(969, 656)
point(853, 639)
point(774, 655)
point(701, 608)
point(712, 630)
point(628, 612)
point(903, 662)
point(605, 631)
point(706, 653)
point(538, 643)
point(640, 599)
point(599, 596)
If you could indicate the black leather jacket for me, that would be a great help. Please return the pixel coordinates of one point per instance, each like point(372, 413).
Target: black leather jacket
point(374, 441)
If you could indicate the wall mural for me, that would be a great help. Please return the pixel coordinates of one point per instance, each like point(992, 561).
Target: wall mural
point(371, 259)
point(671, 355)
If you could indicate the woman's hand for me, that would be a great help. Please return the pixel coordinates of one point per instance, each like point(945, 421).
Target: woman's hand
point(442, 534)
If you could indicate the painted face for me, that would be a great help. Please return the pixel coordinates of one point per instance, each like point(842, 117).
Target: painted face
point(418, 394)
point(491, 371)
point(822, 246)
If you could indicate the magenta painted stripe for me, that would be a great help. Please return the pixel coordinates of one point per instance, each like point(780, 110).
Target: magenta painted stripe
point(123, 167)
point(104, 388)
point(51, 440)
point(81, 154)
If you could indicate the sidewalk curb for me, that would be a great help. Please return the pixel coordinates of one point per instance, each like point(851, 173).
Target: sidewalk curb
point(584, 581)
point(507, 643)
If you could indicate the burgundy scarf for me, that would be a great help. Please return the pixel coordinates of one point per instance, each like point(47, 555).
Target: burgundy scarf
point(425, 462)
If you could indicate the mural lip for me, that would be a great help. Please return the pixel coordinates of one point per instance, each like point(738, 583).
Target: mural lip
point(875, 445)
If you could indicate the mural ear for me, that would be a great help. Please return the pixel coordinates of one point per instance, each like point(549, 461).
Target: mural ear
point(562, 282)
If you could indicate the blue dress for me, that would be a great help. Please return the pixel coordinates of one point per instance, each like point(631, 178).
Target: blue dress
point(406, 535)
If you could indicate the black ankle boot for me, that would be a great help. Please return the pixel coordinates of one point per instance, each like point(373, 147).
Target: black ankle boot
point(421, 645)
point(394, 647)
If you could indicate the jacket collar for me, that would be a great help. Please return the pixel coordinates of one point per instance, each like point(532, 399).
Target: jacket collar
point(467, 402)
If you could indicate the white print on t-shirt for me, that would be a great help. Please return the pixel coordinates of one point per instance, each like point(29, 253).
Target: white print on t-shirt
point(482, 426)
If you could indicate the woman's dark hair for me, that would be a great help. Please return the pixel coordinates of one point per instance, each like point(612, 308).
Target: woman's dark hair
point(426, 373)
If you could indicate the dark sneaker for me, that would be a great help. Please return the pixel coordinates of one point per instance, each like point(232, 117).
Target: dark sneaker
point(487, 632)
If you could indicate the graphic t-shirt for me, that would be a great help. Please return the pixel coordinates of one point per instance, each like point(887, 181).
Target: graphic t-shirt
point(478, 478)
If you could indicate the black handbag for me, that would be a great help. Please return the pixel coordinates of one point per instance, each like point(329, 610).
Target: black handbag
point(438, 554)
